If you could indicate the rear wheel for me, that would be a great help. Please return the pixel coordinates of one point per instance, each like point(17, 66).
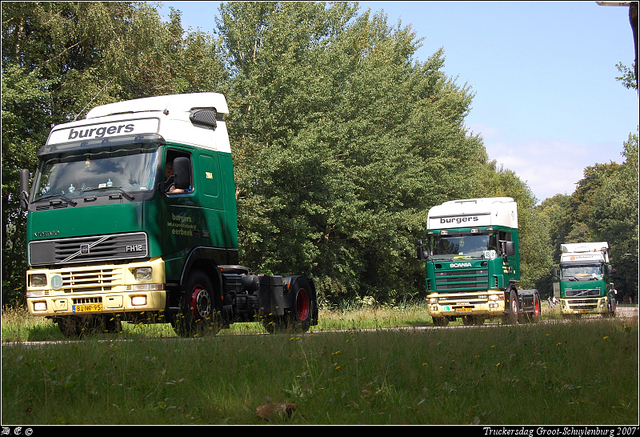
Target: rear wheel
point(534, 317)
point(302, 306)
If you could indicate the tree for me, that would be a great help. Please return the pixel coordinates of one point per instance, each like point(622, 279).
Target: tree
point(604, 207)
point(342, 143)
point(615, 218)
point(61, 59)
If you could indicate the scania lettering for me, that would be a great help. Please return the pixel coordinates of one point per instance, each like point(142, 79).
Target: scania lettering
point(132, 217)
point(473, 264)
point(583, 282)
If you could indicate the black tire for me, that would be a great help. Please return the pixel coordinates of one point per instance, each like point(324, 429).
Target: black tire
point(534, 317)
point(513, 312)
point(197, 314)
point(301, 305)
point(302, 308)
point(611, 308)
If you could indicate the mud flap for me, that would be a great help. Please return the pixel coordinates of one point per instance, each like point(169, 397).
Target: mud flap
point(529, 300)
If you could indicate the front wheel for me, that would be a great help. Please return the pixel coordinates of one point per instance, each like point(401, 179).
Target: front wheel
point(611, 308)
point(514, 309)
point(197, 307)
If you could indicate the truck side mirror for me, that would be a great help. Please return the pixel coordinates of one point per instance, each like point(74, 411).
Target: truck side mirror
point(609, 269)
point(508, 248)
point(24, 189)
point(182, 172)
point(554, 273)
point(420, 254)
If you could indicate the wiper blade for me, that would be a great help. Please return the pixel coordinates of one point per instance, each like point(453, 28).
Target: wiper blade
point(124, 193)
point(58, 196)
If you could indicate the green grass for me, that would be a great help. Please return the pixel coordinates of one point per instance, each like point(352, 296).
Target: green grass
point(580, 373)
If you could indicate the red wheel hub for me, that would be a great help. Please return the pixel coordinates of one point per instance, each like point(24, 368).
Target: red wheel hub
point(302, 304)
point(200, 303)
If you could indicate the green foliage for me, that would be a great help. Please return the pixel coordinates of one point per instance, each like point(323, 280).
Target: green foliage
point(59, 60)
point(628, 77)
point(342, 141)
point(604, 207)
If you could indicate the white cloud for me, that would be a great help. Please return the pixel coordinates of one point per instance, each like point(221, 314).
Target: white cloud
point(548, 167)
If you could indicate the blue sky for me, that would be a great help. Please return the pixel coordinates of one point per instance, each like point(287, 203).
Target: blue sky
point(546, 100)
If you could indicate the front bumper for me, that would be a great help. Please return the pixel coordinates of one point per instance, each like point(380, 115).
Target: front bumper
point(599, 305)
point(489, 304)
point(113, 288)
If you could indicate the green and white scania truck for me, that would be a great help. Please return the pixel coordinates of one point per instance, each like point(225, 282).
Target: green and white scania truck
point(583, 280)
point(473, 264)
point(132, 217)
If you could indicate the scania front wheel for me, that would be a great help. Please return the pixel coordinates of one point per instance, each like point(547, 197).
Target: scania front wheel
point(513, 313)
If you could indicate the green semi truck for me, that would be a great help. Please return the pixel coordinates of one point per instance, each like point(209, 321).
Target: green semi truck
point(132, 217)
point(473, 264)
point(583, 281)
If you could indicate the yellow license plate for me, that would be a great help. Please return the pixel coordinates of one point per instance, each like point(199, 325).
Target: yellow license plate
point(87, 308)
point(463, 310)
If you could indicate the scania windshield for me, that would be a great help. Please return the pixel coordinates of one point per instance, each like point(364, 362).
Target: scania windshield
point(473, 246)
point(104, 171)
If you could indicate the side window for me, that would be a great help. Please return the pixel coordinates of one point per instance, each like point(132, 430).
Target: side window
point(172, 185)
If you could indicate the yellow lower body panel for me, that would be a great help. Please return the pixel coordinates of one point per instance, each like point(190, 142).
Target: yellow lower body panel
point(97, 289)
point(584, 306)
point(467, 304)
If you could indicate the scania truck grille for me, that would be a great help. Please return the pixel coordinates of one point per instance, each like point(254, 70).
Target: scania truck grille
point(462, 280)
point(90, 249)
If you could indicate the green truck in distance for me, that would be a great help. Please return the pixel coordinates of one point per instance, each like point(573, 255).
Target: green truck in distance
point(473, 264)
point(132, 217)
point(583, 282)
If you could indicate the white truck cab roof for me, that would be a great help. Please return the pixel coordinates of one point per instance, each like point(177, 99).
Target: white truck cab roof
point(492, 211)
point(171, 117)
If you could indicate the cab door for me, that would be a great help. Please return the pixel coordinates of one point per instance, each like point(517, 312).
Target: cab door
point(182, 216)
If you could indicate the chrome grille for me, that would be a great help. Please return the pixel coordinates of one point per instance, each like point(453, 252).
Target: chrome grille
point(93, 280)
point(462, 280)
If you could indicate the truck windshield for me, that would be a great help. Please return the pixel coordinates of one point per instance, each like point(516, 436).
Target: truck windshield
point(465, 246)
point(71, 175)
point(590, 272)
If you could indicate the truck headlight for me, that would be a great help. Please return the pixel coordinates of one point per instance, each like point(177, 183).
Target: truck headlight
point(142, 273)
point(39, 306)
point(433, 300)
point(38, 280)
